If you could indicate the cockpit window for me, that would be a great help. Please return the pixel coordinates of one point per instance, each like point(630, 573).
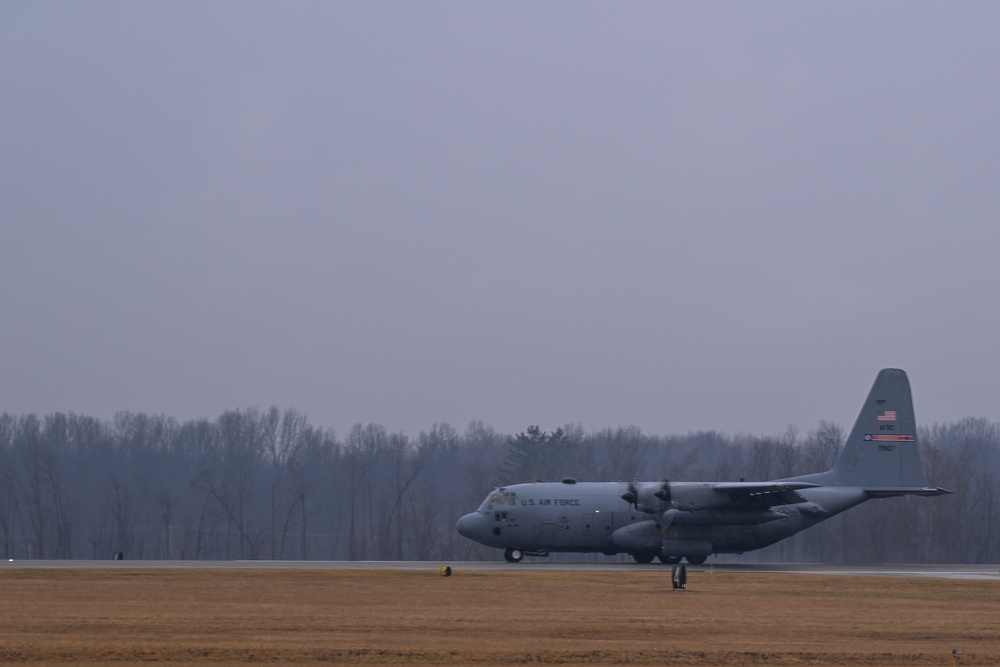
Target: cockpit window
point(499, 499)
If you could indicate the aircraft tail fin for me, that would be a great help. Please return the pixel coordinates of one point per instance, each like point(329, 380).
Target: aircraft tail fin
point(881, 454)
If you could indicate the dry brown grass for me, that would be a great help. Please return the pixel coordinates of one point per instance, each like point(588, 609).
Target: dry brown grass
point(397, 617)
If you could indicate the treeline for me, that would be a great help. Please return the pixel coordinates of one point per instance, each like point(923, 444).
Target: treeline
point(269, 485)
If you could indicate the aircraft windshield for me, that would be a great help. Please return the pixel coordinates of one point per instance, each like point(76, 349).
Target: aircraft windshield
point(499, 499)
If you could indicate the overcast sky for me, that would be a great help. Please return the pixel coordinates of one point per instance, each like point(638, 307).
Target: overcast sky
point(686, 216)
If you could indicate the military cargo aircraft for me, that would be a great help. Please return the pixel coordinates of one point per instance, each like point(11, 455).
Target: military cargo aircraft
point(693, 520)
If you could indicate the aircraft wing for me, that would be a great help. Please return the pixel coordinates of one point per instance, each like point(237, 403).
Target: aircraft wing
point(761, 487)
point(768, 494)
point(889, 491)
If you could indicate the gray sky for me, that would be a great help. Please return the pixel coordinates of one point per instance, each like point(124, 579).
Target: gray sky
point(677, 216)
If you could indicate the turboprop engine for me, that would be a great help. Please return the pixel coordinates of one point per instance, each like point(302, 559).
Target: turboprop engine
point(649, 497)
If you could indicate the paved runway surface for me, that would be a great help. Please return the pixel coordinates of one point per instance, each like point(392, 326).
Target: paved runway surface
point(983, 572)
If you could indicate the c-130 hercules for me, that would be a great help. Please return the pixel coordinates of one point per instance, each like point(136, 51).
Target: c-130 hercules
point(692, 520)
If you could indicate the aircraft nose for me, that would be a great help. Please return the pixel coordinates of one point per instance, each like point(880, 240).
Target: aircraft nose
point(472, 526)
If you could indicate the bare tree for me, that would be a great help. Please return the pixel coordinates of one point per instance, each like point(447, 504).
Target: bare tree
point(822, 446)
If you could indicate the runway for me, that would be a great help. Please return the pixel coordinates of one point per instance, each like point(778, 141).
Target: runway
point(977, 572)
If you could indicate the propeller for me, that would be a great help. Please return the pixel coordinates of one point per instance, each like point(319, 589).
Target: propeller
point(648, 497)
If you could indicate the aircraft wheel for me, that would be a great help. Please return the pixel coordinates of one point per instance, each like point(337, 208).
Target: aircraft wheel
point(669, 560)
point(513, 555)
point(696, 560)
point(643, 557)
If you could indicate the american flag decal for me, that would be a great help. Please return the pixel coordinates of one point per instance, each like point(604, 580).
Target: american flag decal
point(886, 416)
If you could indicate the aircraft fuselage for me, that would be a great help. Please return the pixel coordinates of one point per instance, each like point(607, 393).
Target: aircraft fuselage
point(592, 517)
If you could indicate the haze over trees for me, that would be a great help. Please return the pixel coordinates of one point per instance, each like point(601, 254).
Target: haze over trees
point(268, 484)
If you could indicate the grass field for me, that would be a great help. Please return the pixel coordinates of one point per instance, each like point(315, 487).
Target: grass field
point(88, 617)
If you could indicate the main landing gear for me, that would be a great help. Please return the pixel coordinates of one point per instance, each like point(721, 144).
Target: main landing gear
point(645, 557)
